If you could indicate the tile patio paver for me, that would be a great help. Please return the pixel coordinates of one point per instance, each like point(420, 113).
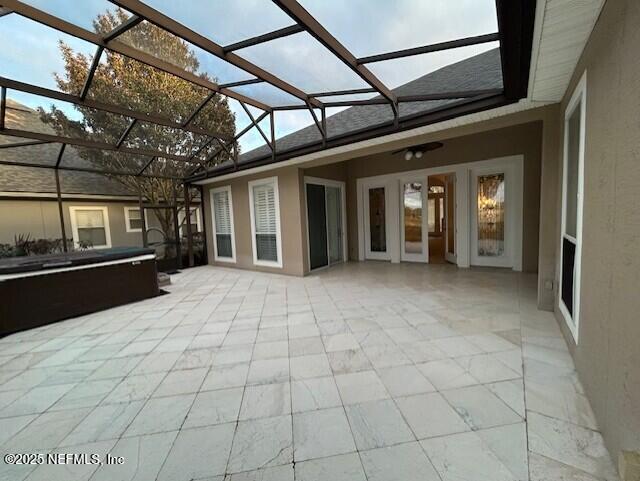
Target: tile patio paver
point(365, 371)
point(377, 424)
point(322, 433)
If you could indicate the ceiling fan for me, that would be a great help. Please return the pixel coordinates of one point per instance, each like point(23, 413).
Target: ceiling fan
point(418, 151)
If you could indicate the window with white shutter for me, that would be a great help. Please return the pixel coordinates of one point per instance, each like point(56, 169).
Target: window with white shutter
point(90, 227)
point(265, 222)
point(222, 212)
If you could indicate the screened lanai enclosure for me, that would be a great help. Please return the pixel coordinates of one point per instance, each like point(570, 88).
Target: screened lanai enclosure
point(158, 94)
point(160, 89)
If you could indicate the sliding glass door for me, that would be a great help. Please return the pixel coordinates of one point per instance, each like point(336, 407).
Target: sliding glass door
point(324, 222)
point(333, 197)
point(317, 225)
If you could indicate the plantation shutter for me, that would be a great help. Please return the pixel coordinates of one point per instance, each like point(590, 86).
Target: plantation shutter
point(222, 213)
point(264, 206)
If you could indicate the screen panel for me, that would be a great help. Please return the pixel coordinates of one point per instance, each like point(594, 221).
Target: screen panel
point(397, 72)
point(88, 14)
point(103, 160)
point(28, 151)
point(34, 113)
point(303, 62)
point(125, 82)
point(369, 28)
point(39, 55)
point(167, 47)
point(225, 22)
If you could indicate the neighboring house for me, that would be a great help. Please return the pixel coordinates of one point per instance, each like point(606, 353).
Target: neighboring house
point(96, 209)
point(550, 184)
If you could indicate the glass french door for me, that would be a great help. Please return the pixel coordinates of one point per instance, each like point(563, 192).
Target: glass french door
point(375, 220)
point(413, 235)
point(489, 221)
point(450, 208)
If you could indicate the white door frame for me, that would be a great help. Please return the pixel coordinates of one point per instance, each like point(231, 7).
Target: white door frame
point(513, 215)
point(343, 206)
point(447, 255)
point(412, 257)
point(462, 215)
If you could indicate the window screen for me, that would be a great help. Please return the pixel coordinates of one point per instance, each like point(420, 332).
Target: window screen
point(266, 224)
point(91, 230)
point(135, 220)
point(222, 214)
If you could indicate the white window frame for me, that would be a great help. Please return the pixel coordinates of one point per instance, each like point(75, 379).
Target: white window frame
point(250, 185)
point(127, 218)
point(74, 224)
point(232, 259)
point(579, 96)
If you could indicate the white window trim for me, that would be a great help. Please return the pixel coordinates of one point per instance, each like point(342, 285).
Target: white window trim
point(579, 96)
point(182, 216)
point(127, 217)
point(74, 224)
point(251, 184)
point(232, 259)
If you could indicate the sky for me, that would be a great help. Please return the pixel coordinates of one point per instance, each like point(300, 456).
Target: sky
point(366, 27)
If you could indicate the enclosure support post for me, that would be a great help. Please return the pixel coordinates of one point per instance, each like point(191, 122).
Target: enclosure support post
point(176, 228)
point(145, 240)
point(61, 211)
point(187, 211)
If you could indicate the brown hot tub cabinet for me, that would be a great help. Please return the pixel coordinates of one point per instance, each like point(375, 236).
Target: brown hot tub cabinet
point(39, 290)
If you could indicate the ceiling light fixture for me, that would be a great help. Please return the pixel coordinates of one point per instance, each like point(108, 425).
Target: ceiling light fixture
point(418, 151)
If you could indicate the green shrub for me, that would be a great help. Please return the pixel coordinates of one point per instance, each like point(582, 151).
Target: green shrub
point(24, 245)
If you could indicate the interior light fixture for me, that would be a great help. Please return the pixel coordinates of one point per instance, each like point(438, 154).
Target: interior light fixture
point(418, 154)
point(408, 155)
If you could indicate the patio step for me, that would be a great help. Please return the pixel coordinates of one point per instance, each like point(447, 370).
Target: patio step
point(164, 279)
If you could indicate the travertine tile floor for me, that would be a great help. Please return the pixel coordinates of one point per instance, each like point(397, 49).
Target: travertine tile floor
point(366, 371)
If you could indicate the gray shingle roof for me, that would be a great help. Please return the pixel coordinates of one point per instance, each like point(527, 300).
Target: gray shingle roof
point(480, 72)
point(31, 179)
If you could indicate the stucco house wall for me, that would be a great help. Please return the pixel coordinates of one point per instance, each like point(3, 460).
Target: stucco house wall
point(40, 218)
point(291, 220)
point(607, 355)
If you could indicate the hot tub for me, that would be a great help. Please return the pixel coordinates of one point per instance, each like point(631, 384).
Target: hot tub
point(39, 290)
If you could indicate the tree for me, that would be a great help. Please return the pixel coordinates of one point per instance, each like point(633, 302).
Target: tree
point(122, 81)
